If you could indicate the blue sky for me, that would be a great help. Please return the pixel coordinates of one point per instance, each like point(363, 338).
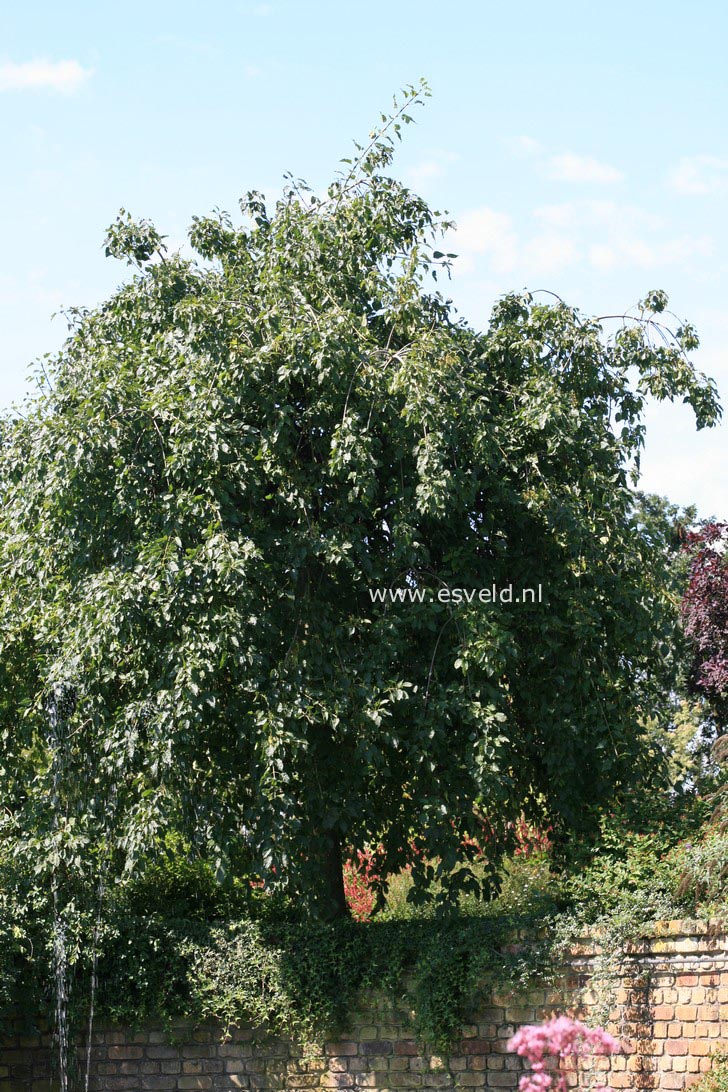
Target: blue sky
point(580, 149)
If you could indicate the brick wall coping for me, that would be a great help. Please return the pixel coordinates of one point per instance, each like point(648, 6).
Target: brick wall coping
point(682, 936)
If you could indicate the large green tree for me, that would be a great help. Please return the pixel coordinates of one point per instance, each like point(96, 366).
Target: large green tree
point(232, 453)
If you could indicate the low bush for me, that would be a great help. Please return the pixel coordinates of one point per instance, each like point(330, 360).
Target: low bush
point(24, 945)
point(301, 980)
point(702, 867)
point(716, 1079)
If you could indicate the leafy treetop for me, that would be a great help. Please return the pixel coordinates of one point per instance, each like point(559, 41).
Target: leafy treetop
point(230, 454)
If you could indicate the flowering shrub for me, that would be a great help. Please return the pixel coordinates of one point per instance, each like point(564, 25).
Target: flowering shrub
point(561, 1038)
point(360, 872)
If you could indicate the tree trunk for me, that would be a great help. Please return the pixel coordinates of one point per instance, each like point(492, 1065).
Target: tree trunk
point(330, 900)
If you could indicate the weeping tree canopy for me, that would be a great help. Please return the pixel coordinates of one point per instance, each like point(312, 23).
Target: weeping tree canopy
point(232, 454)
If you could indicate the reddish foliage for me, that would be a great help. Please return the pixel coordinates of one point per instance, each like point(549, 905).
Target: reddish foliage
point(705, 615)
point(363, 870)
point(360, 874)
point(531, 840)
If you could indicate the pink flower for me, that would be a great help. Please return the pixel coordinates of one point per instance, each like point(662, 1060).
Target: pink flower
point(559, 1037)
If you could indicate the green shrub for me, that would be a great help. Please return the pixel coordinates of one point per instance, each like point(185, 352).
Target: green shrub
point(23, 937)
point(716, 1079)
point(702, 868)
point(628, 870)
point(528, 885)
point(303, 979)
point(175, 942)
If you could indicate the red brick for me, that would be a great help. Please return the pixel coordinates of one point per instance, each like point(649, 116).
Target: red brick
point(475, 1046)
point(376, 1046)
point(677, 1046)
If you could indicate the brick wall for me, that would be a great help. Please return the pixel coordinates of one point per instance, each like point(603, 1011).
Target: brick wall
point(670, 1010)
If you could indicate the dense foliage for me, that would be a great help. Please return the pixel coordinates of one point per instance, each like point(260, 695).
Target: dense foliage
point(228, 456)
point(716, 1079)
point(173, 942)
point(705, 616)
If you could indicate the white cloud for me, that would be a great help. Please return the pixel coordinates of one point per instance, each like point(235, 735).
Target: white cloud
point(685, 247)
point(63, 76)
point(617, 236)
point(604, 214)
point(492, 234)
point(485, 231)
point(420, 172)
point(524, 145)
point(639, 253)
point(698, 175)
point(560, 216)
point(604, 235)
point(433, 166)
point(548, 252)
point(566, 167)
point(606, 257)
point(252, 71)
point(616, 216)
point(581, 168)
